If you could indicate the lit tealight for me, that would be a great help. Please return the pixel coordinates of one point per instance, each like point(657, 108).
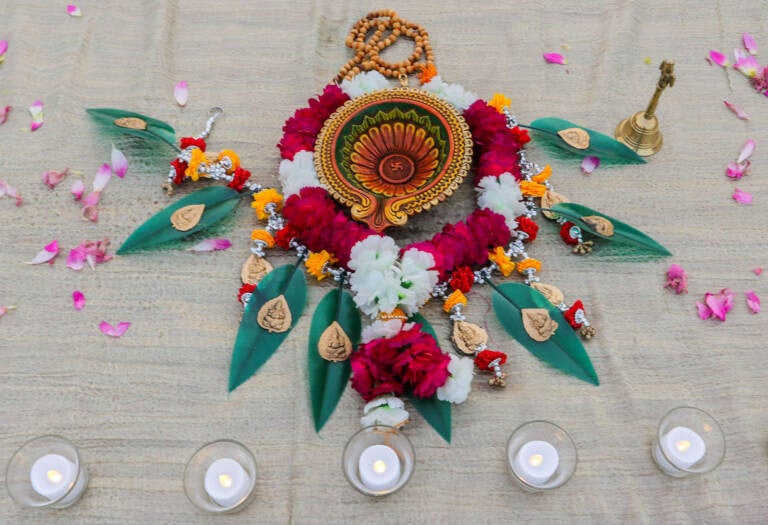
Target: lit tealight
point(379, 468)
point(54, 476)
point(227, 482)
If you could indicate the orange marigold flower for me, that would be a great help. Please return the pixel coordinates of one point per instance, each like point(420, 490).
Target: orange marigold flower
point(428, 72)
point(234, 159)
point(264, 197)
point(532, 189)
point(542, 175)
point(263, 235)
point(505, 264)
point(527, 264)
point(316, 262)
point(457, 297)
point(197, 157)
point(397, 313)
point(499, 101)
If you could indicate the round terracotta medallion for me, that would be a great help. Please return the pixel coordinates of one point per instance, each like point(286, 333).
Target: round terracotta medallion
point(393, 153)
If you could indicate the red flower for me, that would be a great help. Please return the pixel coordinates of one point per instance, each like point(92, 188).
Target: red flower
point(244, 289)
point(484, 358)
point(422, 366)
point(284, 237)
point(570, 314)
point(521, 135)
point(462, 279)
point(192, 141)
point(180, 166)
point(496, 162)
point(239, 178)
point(527, 226)
point(565, 234)
point(294, 143)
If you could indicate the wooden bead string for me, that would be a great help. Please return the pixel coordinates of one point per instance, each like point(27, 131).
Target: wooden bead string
point(367, 56)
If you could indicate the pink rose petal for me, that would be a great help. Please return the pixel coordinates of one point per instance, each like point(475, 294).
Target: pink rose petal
point(113, 331)
point(719, 304)
point(3, 50)
point(4, 112)
point(758, 271)
point(703, 311)
point(181, 93)
point(6, 190)
point(747, 66)
point(78, 300)
point(555, 58)
point(47, 254)
point(102, 177)
point(736, 110)
point(76, 259)
point(742, 197)
point(78, 187)
point(52, 178)
point(36, 110)
point(718, 58)
point(753, 301)
point(749, 43)
point(737, 171)
point(677, 279)
point(73, 10)
point(90, 213)
point(746, 151)
point(92, 252)
point(119, 162)
point(589, 164)
point(210, 245)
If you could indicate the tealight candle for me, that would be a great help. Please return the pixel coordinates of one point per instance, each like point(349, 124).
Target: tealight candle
point(52, 476)
point(379, 467)
point(683, 447)
point(536, 462)
point(227, 482)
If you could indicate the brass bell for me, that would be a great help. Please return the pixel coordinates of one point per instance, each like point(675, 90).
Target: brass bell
point(640, 132)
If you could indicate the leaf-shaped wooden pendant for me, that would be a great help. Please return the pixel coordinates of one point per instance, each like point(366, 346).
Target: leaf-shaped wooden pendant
point(134, 124)
point(131, 123)
point(468, 337)
point(186, 218)
point(576, 137)
point(553, 294)
point(549, 199)
point(600, 224)
point(334, 344)
point(538, 325)
point(275, 316)
point(254, 269)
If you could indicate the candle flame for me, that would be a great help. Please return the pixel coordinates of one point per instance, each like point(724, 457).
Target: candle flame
point(379, 466)
point(54, 476)
point(683, 445)
point(225, 480)
point(536, 460)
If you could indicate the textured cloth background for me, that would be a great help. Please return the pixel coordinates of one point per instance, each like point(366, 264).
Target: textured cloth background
point(139, 406)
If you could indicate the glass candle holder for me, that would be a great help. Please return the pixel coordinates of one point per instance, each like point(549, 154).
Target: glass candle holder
point(220, 477)
point(688, 441)
point(378, 460)
point(46, 473)
point(541, 456)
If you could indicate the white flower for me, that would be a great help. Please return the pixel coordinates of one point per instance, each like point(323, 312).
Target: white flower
point(363, 83)
point(379, 329)
point(385, 410)
point(453, 93)
point(298, 173)
point(502, 195)
point(459, 383)
point(417, 280)
point(375, 291)
point(375, 252)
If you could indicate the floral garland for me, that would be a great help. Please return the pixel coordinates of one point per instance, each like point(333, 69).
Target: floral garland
point(391, 283)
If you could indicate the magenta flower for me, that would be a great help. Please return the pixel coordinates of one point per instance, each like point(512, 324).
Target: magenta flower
point(677, 279)
point(717, 305)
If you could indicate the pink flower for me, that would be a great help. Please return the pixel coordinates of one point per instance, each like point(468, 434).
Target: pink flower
point(589, 164)
point(78, 187)
point(52, 178)
point(741, 196)
point(78, 300)
point(717, 305)
point(47, 254)
point(677, 279)
point(90, 252)
point(736, 171)
point(718, 58)
point(753, 302)
point(113, 331)
point(555, 58)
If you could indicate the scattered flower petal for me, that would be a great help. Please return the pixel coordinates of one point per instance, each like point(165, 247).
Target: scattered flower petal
point(181, 93)
point(78, 187)
point(739, 54)
point(102, 178)
point(6, 190)
point(703, 311)
point(749, 43)
point(90, 213)
point(4, 111)
point(36, 110)
point(718, 58)
point(589, 164)
point(73, 10)
point(747, 66)
point(119, 162)
point(78, 300)
point(91, 252)
point(736, 110)
point(677, 279)
point(113, 331)
point(555, 58)
point(758, 271)
point(746, 151)
point(717, 305)
point(753, 301)
point(3, 50)
point(210, 245)
point(742, 197)
point(5, 309)
point(737, 171)
point(47, 254)
point(52, 178)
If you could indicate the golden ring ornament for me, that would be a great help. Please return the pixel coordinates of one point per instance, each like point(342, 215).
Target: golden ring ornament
point(393, 153)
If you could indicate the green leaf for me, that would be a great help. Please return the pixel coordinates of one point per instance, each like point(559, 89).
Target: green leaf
point(436, 412)
point(600, 145)
point(153, 129)
point(219, 201)
point(563, 350)
point(622, 233)
point(328, 379)
point(255, 345)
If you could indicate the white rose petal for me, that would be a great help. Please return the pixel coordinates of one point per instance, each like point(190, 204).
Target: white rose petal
point(459, 383)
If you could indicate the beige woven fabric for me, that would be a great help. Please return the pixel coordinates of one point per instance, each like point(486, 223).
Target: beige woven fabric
point(139, 406)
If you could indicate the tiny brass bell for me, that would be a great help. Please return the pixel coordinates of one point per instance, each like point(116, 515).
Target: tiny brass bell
point(640, 132)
